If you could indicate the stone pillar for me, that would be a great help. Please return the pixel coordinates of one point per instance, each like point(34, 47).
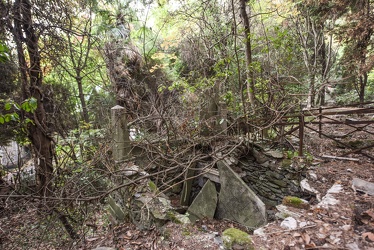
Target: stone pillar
point(121, 138)
point(223, 116)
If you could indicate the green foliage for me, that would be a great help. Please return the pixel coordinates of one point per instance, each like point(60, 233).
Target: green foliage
point(4, 52)
point(28, 106)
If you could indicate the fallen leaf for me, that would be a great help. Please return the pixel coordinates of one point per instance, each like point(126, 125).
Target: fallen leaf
point(368, 235)
point(296, 235)
point(370, 212)
point(306, 238)
point(311, 245)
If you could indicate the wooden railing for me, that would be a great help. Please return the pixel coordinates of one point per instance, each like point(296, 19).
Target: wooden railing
point(304, 120)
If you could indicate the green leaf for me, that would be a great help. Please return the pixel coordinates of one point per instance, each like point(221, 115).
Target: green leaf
point(33, 104)
point(26, 106)
point(2, 120)
point(8, 117)
point(7, 106)
point(15, 117)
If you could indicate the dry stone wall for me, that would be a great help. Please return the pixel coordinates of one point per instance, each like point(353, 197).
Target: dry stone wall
point(273, 179)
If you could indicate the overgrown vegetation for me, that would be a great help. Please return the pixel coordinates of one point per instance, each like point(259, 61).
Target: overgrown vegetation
point(183, 70)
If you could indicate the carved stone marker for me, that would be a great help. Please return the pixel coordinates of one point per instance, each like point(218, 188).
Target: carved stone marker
point(205, 203)
point(121, 137)
point(237, 201)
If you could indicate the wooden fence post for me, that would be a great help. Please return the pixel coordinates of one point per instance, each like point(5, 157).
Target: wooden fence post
point(121, 139)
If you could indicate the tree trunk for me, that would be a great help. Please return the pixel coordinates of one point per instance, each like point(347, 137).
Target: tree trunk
point(363, 80)
point(311, 92)
point(31, 80)
point(82, 100)
point(248, 53)
point(324, 66)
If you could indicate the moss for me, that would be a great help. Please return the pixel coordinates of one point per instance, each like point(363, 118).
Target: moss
point(171, 216)
point(152, 186)
point(186, 232)
point(295, 202)
point(286, 163)
point(233, 236)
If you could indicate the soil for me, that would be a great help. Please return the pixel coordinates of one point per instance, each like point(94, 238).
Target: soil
point(347, 225)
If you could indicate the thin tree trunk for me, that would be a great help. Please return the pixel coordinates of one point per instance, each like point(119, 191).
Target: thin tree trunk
point(248, 53)
point(324, 66)
point(82, 100)
point(311, 92)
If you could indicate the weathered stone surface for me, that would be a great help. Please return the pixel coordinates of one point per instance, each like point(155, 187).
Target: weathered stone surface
point(279, 182)
point(363, 186)
point(237, 201)
point(285, 212)
point(115, 210)
point(260, 158)
point(289, 223)
point(275, 154)
point(205, 203)
point(329, 199)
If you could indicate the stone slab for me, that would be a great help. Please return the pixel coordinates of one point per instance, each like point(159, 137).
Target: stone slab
point(363, 186)
point(205, 203)
point(237, 201)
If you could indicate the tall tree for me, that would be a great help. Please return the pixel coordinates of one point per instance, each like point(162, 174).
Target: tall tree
point(31, 77)
point(355, 31)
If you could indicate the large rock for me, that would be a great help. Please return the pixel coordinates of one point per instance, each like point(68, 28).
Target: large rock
point(205, 203)
point(237, 201)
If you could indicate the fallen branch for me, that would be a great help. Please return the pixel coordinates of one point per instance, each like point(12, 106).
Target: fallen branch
point(339, 158)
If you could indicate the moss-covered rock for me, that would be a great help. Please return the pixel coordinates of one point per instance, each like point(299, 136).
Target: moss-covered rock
point(296, 202)
point(233, 236)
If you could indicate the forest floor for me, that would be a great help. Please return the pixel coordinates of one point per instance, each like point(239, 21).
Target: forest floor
point(346, 225)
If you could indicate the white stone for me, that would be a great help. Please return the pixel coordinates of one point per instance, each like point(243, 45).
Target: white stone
point(312, 175)
point(335, 189)
point(305, 186)
point(289, 223)
point(303, 224)
point(329, 199)
point(260, 232)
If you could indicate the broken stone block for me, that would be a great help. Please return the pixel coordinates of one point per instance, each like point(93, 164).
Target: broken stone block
point(305, 186)
point(274, 154)
point(363, 186)
point(205, 203)
point(329, 200)
point(260, 158)
point(115, 210)
point(237, 201)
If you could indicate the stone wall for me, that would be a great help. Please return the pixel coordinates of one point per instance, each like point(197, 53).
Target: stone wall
point(273, 179)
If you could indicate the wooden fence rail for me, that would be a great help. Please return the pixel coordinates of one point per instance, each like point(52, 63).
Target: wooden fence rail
point(323, 116)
